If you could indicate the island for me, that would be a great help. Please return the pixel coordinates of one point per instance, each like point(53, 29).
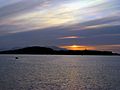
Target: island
point(50, 51)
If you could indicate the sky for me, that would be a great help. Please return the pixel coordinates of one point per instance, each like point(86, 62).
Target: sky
point(70, 24)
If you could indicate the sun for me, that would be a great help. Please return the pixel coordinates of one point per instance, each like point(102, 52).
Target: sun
point(74, 46)
point(77, 47)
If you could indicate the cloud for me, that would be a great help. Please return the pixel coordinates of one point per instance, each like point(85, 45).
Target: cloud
point(54, 22)
point(112, 47)
point(70, 37)
point(40, 14)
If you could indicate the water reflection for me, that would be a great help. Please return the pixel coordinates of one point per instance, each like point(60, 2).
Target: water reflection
point(59, 73)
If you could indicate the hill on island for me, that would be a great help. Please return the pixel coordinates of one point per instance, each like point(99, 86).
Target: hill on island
point(50, 51)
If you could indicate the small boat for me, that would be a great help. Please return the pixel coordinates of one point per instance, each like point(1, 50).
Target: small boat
point(16, 57)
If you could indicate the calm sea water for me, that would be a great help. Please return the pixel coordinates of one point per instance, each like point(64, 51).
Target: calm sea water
point(39, 72)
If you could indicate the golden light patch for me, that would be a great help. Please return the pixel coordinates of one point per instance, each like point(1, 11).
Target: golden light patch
point(77, 47)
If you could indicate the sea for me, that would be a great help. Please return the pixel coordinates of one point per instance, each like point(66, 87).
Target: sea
point(59, 72)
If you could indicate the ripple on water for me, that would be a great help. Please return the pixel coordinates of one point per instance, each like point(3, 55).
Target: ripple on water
point(59, 73)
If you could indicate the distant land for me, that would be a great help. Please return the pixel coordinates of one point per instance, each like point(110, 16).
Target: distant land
point(50, 51)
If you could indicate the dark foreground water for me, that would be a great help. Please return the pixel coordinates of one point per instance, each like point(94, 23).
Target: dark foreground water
point(59, 72)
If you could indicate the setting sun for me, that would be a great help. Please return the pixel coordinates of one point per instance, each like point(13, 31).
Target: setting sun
point(77, 47)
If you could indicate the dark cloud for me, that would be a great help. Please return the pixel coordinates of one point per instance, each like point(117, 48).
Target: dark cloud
point(101, 36)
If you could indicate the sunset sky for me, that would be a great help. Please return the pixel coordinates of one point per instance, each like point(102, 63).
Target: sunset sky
point(70, 24)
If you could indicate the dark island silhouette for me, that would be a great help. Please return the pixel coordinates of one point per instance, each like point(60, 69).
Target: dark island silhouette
point(50, 51)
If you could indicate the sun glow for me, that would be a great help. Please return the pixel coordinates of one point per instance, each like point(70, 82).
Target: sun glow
point(77, 47)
